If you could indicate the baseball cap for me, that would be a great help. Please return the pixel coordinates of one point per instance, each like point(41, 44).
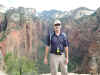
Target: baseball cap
point(57, 22)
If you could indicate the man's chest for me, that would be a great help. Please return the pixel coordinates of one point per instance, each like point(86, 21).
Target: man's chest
point(57, 39)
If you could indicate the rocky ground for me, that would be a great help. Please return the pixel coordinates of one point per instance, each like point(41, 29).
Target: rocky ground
point(68, 74)
point(2, 73)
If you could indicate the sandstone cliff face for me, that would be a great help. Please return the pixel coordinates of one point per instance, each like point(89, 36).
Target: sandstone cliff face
point(22, 32)
point(93, 55)
point(28, 28)
point(89, 43)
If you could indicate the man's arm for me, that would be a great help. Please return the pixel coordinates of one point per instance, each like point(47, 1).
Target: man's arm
point(66, 45)
point(46, 52)
point(66, 54)
point(47, 49)
point(46, 55)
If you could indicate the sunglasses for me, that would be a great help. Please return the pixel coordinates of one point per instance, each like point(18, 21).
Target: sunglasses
point(57, 24)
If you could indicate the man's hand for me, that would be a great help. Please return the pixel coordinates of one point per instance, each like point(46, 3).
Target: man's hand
point(45, 61)
point(66, 61)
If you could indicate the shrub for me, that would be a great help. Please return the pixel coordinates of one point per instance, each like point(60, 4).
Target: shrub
point(20, 66)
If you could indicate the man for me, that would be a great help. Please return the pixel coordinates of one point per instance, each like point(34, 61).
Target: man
point(58, 42)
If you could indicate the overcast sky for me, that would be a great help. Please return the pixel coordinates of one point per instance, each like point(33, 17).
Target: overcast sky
point(40, 5)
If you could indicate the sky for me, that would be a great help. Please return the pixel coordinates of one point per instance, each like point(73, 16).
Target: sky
point(64, 5)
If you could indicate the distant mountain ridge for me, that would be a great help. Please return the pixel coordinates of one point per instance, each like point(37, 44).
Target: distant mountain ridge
point(80, 12)
point(76, 13)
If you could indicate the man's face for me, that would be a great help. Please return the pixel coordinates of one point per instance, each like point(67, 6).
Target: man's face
point(57, 27)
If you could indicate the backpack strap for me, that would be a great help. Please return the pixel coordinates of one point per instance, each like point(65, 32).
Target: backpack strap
point(64, 34)
point(51, 34)
point(66, 37)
